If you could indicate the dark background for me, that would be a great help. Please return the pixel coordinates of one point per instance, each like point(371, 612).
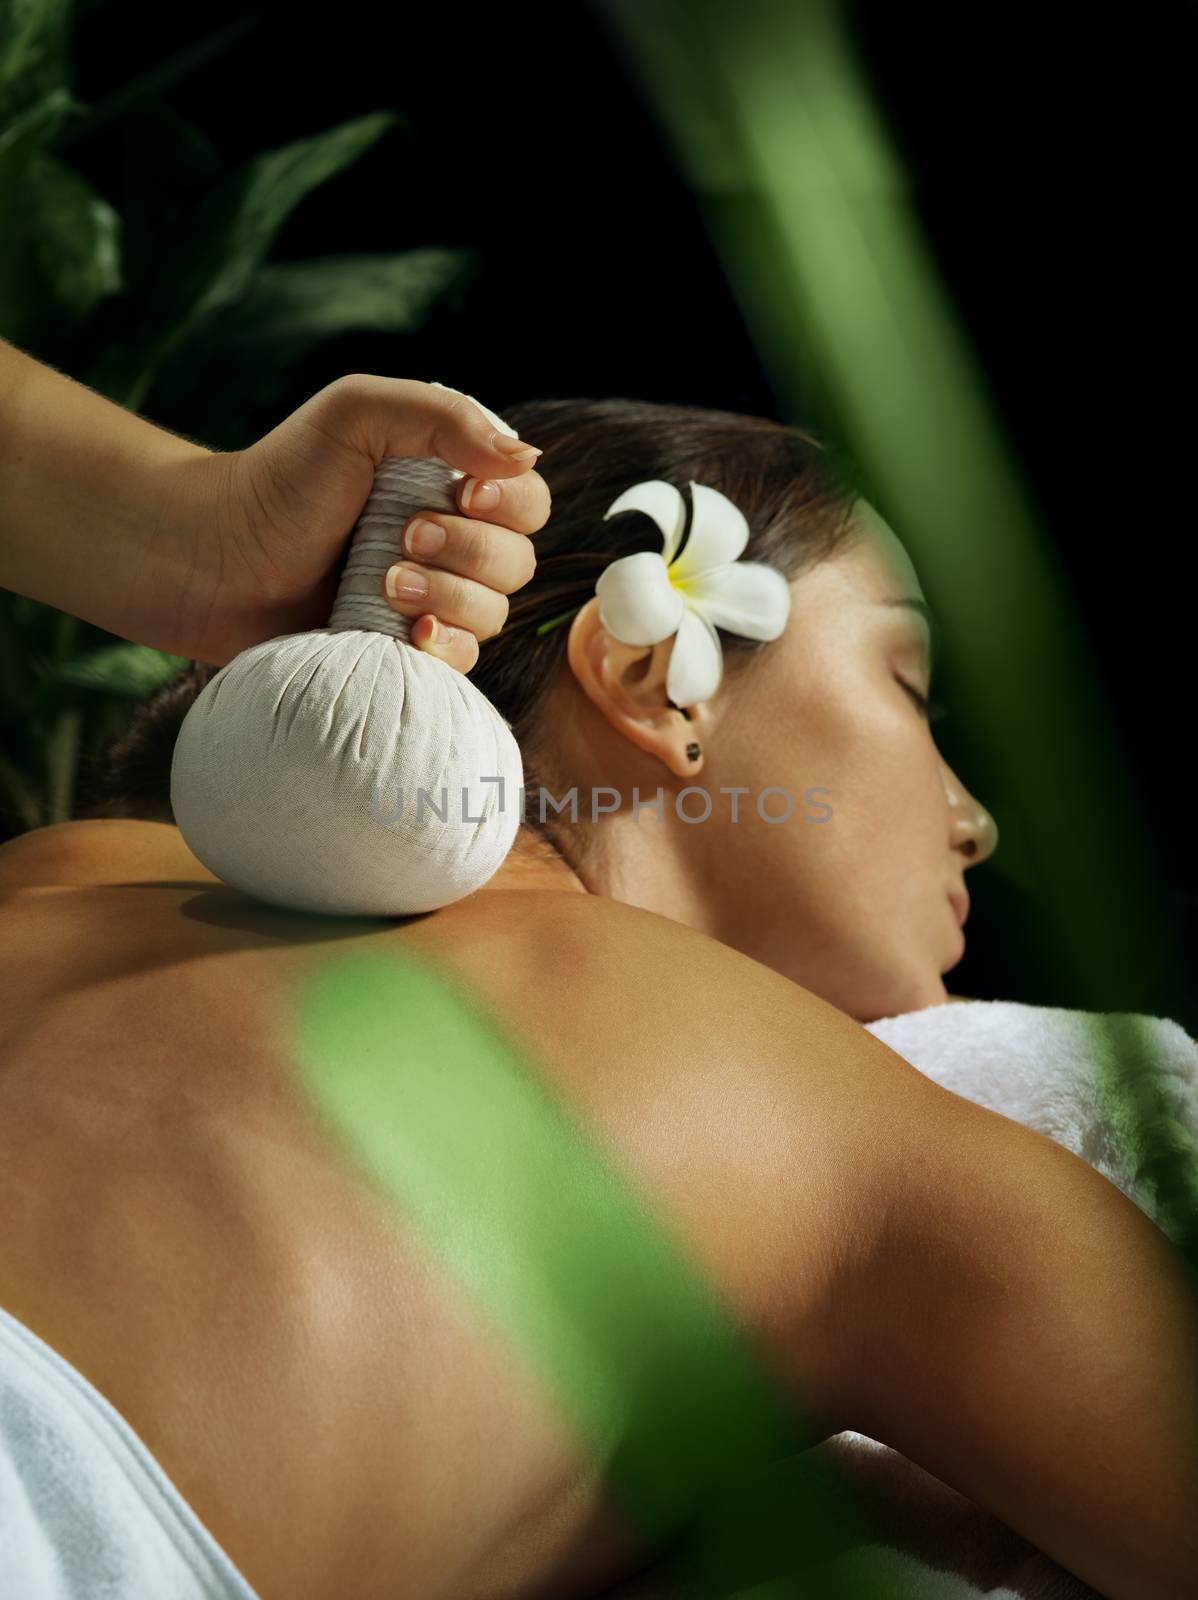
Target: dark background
point(1050, 154)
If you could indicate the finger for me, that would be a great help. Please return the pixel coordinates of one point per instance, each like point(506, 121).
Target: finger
point(522, 504)
point(456, 646)
point(496, 557)
point(458, 602)
point(403, 417)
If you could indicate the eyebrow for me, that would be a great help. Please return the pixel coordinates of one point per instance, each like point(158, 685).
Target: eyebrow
point(925, 611)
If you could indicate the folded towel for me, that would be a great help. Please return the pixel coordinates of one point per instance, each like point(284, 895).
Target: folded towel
point(1062, 1072)
point(86, 1512)
point(1058, 1071)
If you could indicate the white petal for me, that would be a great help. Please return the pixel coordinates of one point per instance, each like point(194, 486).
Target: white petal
point(637, 602)
point(718, 533)
point(696, 662)
point(663, 502)
point(748, 597)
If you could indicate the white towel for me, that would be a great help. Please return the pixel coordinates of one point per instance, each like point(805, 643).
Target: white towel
point(1051, 1069)
point(1059, 1071)
point(86, 1512)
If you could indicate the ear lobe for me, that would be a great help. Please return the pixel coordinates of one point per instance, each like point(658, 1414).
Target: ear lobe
point(627, 683)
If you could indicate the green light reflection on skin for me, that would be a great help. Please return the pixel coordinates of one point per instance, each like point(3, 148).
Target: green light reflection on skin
point(460, 1134)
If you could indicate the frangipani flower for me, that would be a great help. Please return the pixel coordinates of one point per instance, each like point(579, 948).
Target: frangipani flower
point(644, 598)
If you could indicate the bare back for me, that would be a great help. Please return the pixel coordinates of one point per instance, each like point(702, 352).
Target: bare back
point(346, 1419)
point(179, 1227)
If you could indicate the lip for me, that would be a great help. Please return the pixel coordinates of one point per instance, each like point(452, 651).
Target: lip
point(960, 905)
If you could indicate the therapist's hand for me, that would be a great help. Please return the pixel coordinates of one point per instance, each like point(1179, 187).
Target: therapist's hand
point(286, 508)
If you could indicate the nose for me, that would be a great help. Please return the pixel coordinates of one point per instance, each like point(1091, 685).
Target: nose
point(972, 830)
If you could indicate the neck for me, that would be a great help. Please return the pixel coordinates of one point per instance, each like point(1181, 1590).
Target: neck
point(533, 863)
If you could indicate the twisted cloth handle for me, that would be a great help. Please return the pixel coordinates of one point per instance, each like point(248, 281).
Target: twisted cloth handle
point(401, 488)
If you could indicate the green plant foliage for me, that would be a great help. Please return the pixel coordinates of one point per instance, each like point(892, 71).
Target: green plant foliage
point(162, 291)
point(211, 261)
point(131, 670)
point(237, 364)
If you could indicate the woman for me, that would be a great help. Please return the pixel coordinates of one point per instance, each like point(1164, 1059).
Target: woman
point(339, 1415)
point(867, 877)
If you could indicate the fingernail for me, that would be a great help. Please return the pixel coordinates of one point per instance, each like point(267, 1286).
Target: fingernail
point(406, 583)
point(424, 538)
point(516, 448)
point(479, 495)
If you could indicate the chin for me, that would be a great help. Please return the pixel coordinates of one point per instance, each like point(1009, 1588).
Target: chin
point(868, 993)
point(955, 960)
point(916, 995)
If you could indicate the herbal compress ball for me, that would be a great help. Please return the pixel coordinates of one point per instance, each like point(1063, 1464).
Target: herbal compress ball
point(344, 770)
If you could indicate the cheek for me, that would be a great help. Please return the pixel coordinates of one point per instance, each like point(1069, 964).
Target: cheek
point(877, 757)
point(842, 726)
point(867, 738)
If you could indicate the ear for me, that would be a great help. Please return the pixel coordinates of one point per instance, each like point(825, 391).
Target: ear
point(627, 682)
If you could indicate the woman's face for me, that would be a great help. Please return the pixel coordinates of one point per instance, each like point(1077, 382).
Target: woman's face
point(851, 895)
point(854, 906)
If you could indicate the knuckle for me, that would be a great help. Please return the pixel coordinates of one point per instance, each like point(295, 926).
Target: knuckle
point(452, 405)
point(357, 395)
point(347, 383)
point(351, 388)
point(455, 595)
point(498, 607)
point(475, 546)
point(332, 405)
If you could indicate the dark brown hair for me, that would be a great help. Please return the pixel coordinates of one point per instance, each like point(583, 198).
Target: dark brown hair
point(796, 492)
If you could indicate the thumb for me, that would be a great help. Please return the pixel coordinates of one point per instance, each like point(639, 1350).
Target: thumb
point(407, 418)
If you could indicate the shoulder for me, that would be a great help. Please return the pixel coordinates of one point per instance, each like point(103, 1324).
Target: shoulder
point(642, 978)
point(769, 1128)
point(97, 850)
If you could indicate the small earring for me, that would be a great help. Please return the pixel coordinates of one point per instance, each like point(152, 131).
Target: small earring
point(692, 752)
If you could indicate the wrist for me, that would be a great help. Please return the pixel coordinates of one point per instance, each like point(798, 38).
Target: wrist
point(102, 513)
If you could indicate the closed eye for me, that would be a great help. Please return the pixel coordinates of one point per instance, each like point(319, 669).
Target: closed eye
point(930, 710)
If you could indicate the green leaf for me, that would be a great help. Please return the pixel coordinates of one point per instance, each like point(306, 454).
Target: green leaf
point(17, 794)
point(132, 670)
point(212, 261)
point(21, 290)
point(61, 754)
point(16, 677)
point(33, 626)
point(293, 305)
point(76, 237)
point(21, 134)
point(34, 53)
point(246, 362)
